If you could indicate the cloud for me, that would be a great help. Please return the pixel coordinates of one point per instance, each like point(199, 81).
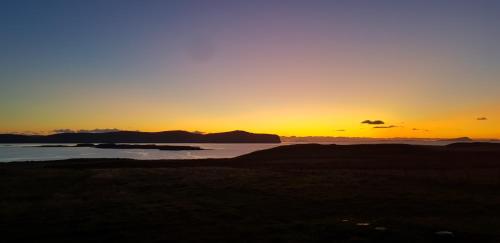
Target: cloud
point(374, 122)
point(27, 133)
point(391, 126)
point(97, 130)
point(63, 131)
point(482, 118)
point(418, 129)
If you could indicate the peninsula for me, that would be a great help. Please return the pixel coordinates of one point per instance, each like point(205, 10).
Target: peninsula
point(143, 137)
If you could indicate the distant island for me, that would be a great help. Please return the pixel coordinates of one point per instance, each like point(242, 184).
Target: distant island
point(125, 146)
point(330, 139)
point(143, 137)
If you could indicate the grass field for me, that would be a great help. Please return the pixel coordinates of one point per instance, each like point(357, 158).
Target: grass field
point(252, 199)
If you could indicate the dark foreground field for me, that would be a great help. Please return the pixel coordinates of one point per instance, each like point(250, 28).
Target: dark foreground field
point(301, 193)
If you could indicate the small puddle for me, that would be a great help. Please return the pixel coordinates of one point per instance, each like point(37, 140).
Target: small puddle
point(363, 224)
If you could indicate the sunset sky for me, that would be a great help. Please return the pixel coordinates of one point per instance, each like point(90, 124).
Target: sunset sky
point(426, 69)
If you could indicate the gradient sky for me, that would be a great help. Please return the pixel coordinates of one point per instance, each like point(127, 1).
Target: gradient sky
point(426, 68)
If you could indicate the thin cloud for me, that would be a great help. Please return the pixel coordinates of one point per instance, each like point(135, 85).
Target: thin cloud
point(97, 130)
point(374, 122)
point(482, 118)
point(63, 131)
point(391, 126)
point(418, 129)
point(27, 133)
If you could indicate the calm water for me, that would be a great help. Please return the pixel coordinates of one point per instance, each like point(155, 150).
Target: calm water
point(28, 152)
point(31, 152)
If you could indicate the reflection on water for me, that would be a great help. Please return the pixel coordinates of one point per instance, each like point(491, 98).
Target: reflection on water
point(28, 152)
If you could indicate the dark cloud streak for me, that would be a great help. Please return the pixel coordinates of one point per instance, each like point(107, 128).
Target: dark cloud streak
point(374, 122)
point(97, 130)
point(421, 130)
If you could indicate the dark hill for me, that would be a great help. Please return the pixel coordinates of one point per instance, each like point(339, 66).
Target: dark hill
point(143, 137)
point(372, 156)
point(475, 146)
point(461, 139)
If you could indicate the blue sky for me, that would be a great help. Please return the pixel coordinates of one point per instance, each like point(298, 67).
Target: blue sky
point(208, 65)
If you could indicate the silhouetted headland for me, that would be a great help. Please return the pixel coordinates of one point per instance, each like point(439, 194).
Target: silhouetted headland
point(125, 146)
point(456, 140)
point(143, 137)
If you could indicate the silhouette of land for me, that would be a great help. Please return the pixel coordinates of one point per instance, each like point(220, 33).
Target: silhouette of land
point(329, 139)
point(143, 137)
point(295, 193)
point(124, 146)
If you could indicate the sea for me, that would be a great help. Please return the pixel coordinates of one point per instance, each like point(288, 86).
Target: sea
point(34, 152)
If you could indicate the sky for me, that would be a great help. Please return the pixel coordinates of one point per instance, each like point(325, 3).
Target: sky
point(423, 68)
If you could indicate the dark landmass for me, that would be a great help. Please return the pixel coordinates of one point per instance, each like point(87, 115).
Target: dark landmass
point(462, 139)
point(125, 146)
point(296, 193)
point(143, 137)
point(330, 139)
